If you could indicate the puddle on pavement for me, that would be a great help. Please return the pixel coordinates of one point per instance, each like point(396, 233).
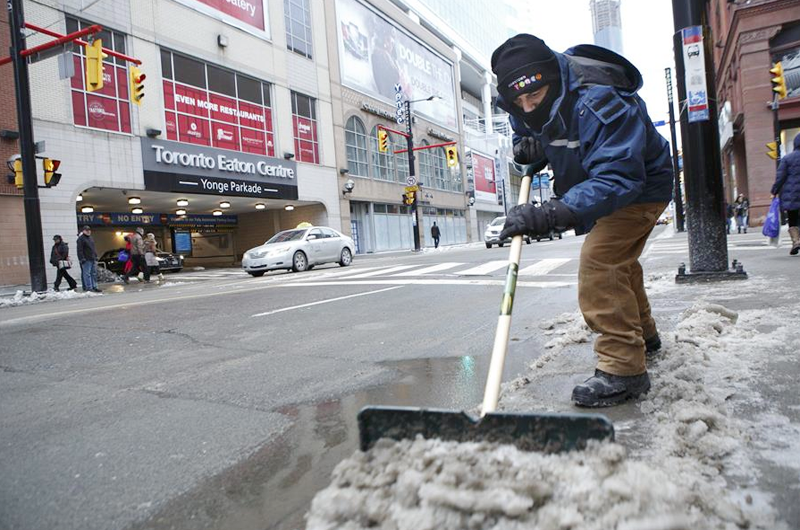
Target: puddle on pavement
point(272, 489)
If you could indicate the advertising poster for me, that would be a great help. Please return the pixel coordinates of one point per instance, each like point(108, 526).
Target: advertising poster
point(375, 56)
point(484, 175)
point(108, 108)
point(249, 15)
point(695, 65)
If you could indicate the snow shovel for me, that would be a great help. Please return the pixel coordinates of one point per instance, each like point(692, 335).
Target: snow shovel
point(544, 432)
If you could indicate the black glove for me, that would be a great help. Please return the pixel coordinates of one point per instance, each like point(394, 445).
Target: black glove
point(527, 151)
point(532, 220)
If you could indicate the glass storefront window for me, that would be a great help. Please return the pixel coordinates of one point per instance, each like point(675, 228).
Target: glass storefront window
point(382, 163)
point(108, 109)
point(209, 105)
point(304, 120)
point(356, 146)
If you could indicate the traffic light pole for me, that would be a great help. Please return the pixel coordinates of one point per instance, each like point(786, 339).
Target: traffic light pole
point(708, 246)
point(33, 216)
point(412, 175)
point(677, 196)
point(776, 128)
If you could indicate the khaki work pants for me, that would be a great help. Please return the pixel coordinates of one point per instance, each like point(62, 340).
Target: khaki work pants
point(611, 287)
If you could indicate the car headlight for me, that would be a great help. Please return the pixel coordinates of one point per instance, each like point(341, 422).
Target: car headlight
point(180, 256)
point(258, 254)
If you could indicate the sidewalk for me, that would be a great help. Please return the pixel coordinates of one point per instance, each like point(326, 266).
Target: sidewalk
point(714, 444)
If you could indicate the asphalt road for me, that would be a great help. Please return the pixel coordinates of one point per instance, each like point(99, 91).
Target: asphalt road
point(223, 401)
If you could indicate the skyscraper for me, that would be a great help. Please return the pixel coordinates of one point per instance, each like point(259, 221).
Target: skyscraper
point(607, 24)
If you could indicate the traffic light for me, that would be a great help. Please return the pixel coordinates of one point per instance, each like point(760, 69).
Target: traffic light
point(51, 178)
point(94, 65)
point(452, 156)
point(136, 78)
point(778, 81)
point(16, 178)
point(773, 150)
point(408, 198)
point(383, 141)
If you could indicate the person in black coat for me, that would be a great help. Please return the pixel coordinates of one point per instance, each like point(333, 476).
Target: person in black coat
point(59, 258)
point(87, 255)
point(435, 234)
point(787, 185)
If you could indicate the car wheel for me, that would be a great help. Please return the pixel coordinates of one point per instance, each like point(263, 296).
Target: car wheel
point(299, 262)
point(488, 245)
point(346, 257)
point(256, 274)
point(500, 244)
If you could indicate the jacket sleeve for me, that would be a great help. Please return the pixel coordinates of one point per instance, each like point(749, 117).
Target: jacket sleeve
point(780, 177)
point(612, 142)
point(80, 249)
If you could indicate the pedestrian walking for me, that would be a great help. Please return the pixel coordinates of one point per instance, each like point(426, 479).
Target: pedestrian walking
point(435, 234)
point(787, 186)
point(151, 256)
point(741, 208)
point(729, 214)
point(137, 257)
point(87, 256)
point(579, 111)
point(59, 258)
point(128, 263)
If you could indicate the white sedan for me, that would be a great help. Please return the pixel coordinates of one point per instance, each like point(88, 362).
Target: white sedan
point(299, 249)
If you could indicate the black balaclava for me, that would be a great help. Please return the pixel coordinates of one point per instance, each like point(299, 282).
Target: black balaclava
point(523, 64)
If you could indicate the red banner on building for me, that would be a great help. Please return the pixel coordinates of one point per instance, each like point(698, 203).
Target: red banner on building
point(483, 173)
point(251, 12)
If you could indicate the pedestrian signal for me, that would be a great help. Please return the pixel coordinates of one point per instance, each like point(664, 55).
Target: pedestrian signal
point(136, 84)
point(16, 177)
point(51, 177)
point(451, 155)
point(94, 65)
point(778, 81)
point(383, 141)
point(773, 150)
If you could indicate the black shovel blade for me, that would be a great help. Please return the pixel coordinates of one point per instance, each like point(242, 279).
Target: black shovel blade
point(542, 432)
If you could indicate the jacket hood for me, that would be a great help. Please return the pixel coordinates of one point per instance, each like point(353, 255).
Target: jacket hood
point(797, 142)
point(586, 65)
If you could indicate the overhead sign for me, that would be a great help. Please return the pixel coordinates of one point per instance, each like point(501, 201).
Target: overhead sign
point(178, 167)
point(695, 66)
point(249, 15)
point(375, 55)
point(154, 219)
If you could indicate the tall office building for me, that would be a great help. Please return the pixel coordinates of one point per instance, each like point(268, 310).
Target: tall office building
point(607, 24)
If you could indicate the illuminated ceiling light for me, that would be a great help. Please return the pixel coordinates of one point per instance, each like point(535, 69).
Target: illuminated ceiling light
point(224, 204)
point(134, 200)
point(79, 198)
point(87, 209)
point(260, 206)
point(183, 202)
point(118, 233)
point(180, 212)
point(288, 207)
point(137, 210)
point(217, 212)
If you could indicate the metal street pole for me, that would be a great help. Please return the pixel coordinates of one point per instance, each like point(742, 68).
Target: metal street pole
point(708, 247)
point(33, 216)
point(677, 196)
point(412, 174)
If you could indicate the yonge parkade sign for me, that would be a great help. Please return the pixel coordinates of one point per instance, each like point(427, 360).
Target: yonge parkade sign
point(185, 168)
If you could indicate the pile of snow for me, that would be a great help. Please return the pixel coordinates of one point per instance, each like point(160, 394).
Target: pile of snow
point(198, 268)
point(20, 298)
point(106, 276)
point(566, 329)
point(696, 445)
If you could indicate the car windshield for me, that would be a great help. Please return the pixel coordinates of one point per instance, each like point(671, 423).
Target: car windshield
point(286, 235)
point(498, 221)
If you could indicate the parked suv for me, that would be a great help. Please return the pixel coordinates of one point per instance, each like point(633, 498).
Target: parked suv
point(492, 234)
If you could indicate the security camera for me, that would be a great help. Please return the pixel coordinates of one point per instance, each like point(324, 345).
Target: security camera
point(471, 201)
point(349, 185)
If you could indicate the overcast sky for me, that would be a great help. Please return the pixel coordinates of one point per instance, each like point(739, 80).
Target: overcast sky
point(647, 31)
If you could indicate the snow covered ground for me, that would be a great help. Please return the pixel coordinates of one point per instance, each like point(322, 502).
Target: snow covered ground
point(20, 298)
point(690, 453)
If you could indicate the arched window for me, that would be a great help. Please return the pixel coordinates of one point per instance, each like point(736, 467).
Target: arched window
point(382, 163)
point(402, 163)
point(425, 168)
point(440, 168)
point(355, 139)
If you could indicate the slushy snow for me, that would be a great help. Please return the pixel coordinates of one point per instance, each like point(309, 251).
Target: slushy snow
point(680, 477)
point(20, 298)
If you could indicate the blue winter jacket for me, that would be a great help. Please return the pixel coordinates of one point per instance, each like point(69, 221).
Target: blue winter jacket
point(599, 140)
point(787, 180)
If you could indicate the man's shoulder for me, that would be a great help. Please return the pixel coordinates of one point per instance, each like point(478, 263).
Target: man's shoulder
point(603, 101)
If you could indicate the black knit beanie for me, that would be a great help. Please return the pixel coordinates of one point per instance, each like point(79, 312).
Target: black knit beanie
point(522, 64)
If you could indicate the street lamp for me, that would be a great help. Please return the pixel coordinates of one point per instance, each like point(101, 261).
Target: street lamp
point(412, 178)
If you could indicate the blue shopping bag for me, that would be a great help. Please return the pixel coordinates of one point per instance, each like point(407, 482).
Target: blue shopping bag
point(772, 226)
point(123, 256)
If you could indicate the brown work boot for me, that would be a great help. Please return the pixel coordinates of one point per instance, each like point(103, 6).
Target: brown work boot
point(794, 233)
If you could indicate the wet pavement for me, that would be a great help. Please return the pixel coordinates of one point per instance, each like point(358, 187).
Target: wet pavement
point(272, 489)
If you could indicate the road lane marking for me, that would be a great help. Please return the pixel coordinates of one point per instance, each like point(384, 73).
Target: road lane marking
point(429, 270)
point(438, 281)
point(338, 298)
point(390, 270)
point(543, 267)
point(485, 269)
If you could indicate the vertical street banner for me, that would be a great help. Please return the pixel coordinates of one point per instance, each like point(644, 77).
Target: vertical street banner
point(483, 168)
point(695, 66)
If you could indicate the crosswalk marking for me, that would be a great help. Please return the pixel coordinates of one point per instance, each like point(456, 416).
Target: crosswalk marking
point(429, 270)
point(543, 267)
point(390, 270)
point(484, 269)
point(335, 273)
